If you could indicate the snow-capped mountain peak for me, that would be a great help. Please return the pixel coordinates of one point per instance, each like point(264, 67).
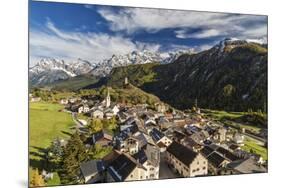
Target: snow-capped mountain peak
point(135, 57)
point(49, 70)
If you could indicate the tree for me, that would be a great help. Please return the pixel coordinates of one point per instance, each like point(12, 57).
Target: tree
point(98, 151)
point(55, 152)
point(96, 125)
point(110, 124)
point(228, 90)
point(74, 154)
point(36, 179)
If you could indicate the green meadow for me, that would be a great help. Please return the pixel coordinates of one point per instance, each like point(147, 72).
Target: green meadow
point(46, 122)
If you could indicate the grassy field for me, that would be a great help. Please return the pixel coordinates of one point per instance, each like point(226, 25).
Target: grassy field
point(225, 117)
point(54, 181)
point(46, 123)
point(218, 115)
point(251, 145)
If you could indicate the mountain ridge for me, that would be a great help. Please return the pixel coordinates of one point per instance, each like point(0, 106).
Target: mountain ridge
point(232, 78)
point(50, 70)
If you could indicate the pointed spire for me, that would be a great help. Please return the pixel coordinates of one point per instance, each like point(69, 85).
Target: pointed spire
point(108, 99)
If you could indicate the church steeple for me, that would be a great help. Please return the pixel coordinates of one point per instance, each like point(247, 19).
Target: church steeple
point(107, 103)
point(126, 81)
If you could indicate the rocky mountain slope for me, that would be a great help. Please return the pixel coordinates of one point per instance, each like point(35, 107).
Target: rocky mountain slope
point(231, 76)
point(48, 71)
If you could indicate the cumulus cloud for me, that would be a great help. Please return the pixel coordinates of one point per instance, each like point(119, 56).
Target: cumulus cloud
point(56, 43)
point(131, 20)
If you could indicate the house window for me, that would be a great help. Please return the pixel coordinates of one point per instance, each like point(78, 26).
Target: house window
point(152, 175)
point(204, 162)
point(151, 169)
point(198, 169)
point(204, 168)
point(198, 162)
point(132, 176)
point(141, 177)
point(193, 170)
point(146, 177)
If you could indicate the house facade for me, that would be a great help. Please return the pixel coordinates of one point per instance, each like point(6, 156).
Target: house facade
point(185, 161)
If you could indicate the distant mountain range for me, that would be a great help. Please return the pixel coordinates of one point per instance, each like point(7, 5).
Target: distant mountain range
point(50, 70)
point(232, 75)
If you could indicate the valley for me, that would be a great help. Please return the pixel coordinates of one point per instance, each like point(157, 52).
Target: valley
point(210, 105)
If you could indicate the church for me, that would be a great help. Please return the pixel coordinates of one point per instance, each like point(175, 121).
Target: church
point(105, 109)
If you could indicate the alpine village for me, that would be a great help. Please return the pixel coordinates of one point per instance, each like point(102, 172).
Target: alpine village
point(193, 115)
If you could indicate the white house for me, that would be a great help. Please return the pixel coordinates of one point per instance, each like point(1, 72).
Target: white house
point(73, 100)
point(97, 114)
point(149, 158)
point(86, 109)
point(35, 99)
point(238, 138)
point(158, 137)
point(108, 114)
point(80, 109)
point(64, 101)
point(115, 109)
point(83, 109)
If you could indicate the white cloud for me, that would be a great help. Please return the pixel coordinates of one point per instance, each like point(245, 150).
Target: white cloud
point(192, 49)
point(55, 43)
point(131, 20)
point(202, 34)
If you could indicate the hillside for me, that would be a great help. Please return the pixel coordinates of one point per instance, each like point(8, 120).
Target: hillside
point(74, 83)
point(124, 94)
point(231, 76)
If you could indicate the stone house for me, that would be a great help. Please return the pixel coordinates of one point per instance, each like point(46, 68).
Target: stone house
point(185, 161)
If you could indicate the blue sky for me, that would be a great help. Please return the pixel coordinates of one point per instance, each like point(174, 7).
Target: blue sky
point(94, 32)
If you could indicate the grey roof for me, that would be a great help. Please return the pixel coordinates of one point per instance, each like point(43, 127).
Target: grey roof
point(215, 159)
point(141, 138)
point(206, 151)
point(246, 166)
point(156, 134)
point(92, 167)
point(227, 154)
point(184, 154)
point(149, 153)
point(140, 156)
point(121, 167)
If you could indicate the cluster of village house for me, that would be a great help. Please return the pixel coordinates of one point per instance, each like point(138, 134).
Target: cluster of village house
point(190, 145)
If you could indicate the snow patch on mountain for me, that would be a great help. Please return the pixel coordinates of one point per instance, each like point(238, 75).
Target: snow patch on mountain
point(49, 70)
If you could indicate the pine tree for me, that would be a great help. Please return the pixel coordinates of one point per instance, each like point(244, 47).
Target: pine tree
point(56, 150)
point(36, 179)
point(195, 103)
point(74, 154)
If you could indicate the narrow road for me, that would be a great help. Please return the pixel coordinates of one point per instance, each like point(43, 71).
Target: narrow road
point(79, 126)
